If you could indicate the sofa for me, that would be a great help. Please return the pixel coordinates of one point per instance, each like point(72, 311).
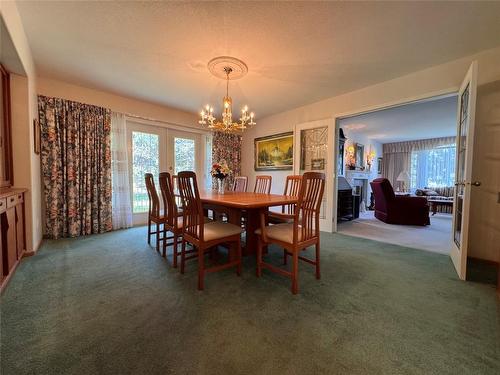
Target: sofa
point(443, 193)
point(392, 209)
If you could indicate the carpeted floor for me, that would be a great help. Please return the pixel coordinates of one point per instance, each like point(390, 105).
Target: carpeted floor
point(435, 237)
point(108, 304)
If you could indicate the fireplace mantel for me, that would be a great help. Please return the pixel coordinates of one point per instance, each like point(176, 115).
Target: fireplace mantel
point(358, 175)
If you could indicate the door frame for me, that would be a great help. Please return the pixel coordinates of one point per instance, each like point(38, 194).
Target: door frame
point(165, 131)
point(440, 94)
point(331, 180)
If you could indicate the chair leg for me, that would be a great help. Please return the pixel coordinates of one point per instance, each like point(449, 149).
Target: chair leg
point(238, 254)
point(183, 255)
point(164, 242)
point(157, 237)
point(295, 272)
point(318, 274)
point(149, 231)
point(259, 257)
point(174, 251)
point(285, 257)
point(201, 269)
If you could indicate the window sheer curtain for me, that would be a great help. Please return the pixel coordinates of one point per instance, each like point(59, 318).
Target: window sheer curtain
point(121, 204)
point(433, 168)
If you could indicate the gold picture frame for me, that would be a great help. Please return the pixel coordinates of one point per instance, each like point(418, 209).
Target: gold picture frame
point(274, 152)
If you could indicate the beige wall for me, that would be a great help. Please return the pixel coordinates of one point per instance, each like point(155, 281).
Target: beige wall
point(433, 81)
point(117, 103)
point(24, 102)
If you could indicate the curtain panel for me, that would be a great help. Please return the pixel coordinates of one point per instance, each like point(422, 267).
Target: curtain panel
point(76, 167)
point(226, 147)
point(121, 204)
point(418, 145)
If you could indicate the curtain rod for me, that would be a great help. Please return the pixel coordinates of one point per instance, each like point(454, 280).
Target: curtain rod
point(170, 123)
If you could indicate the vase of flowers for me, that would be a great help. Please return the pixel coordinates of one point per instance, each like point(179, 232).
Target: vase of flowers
point(220, 171)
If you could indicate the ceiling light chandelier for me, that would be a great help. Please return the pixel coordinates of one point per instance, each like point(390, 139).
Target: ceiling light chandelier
point(227, 68)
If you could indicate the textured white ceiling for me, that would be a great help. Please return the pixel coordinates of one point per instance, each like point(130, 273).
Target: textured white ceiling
point(421, 120)
point(297, 52)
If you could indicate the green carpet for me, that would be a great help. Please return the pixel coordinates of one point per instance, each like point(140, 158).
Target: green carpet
point(108, 304)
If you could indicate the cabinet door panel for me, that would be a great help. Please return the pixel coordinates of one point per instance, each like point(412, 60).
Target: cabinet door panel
point(20, 230)
point(11, 238)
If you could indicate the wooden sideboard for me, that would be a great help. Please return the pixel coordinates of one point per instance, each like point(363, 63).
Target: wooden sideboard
point(12, 231)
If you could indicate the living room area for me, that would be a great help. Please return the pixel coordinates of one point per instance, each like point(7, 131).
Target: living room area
point(396, 174)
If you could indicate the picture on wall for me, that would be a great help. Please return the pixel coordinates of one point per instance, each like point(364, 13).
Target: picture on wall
point(274, 152)
point(379, 165)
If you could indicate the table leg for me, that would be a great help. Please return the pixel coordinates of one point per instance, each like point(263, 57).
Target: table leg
point(253, 223)
point(434, 208)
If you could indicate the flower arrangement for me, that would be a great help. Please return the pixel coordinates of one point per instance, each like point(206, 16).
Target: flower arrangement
point(220, 171)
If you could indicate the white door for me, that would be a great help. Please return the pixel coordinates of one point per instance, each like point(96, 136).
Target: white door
point(314, 151)
point(463, 170)
point(147, 154)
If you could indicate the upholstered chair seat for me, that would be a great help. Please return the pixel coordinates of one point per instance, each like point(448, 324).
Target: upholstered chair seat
point(281, 232)
point(216, 230)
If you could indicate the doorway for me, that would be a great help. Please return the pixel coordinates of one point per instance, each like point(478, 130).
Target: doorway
point(154, 149)
point(413, 145)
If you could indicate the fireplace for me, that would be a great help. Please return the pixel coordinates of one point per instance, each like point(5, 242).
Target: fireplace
point(359, 182)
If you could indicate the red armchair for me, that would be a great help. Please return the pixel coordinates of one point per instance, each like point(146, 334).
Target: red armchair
point(393, 209)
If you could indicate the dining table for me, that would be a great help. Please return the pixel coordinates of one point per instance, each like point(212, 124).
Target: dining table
point(236, 205)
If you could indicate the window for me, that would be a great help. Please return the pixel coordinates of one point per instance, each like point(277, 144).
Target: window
point(433, 168)
point(145, 159)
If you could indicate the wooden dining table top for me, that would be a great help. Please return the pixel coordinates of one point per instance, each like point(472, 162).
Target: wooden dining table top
point(244, 200)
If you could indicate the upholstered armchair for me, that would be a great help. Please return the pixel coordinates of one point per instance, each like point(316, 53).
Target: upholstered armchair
point(393, 209)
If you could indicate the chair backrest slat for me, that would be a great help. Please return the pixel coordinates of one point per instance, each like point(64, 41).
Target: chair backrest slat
point(191, 203)
point(169, 202)
point(240, 184)
point(292, 188)
point(154, 200)
point(309, 205)
point(262, 184)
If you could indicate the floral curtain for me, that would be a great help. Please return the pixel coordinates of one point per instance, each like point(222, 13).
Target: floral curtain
point(226, 147)
point(76, 167)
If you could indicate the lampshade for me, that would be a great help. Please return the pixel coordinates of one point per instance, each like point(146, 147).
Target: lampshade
point(404, 176)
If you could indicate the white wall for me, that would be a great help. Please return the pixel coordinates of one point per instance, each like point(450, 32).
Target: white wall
point(117, 103)
point(437, 80)
point(24, 110)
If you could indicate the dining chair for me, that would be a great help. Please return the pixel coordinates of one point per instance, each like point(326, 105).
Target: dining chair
point(175, 187)
point(240, 184)
point(298, 235)
point(204, 236)
point(262, 184)
point(154, 211)
point(173, 217)
point(292, 188)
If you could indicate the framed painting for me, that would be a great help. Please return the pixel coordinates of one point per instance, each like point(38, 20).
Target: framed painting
point(274, 152)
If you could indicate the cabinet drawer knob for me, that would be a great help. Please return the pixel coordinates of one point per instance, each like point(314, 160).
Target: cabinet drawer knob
point(12, 199)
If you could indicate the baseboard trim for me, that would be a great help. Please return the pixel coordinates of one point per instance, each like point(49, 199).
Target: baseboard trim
point(485, 261)
point(34, 251)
